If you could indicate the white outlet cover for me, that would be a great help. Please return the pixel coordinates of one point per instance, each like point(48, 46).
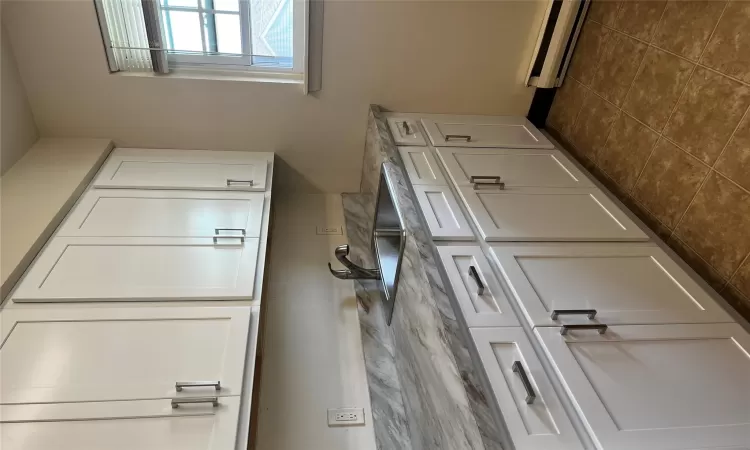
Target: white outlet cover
point(346, 417)
point(330, 229)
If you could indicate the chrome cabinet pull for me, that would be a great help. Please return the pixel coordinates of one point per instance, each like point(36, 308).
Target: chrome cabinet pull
point(591, 313)
point(600, 328)
point(217, 231)
point(407, 128)
point(495, 179)
point(217, 237)
point(465, 137)
point(475, 276)
point(530, 394)
point(231, 182)
point(180, 385)
point(176, 402)
point(486, 181)
point(478, 186)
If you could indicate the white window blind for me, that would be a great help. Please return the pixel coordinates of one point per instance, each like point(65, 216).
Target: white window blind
point(257, 36)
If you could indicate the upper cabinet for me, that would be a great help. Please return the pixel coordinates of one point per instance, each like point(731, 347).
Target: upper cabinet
point(406, 131)
point(155, 213)
point(513, 167)
point(602, 284)
point(657, 387)
point(484, 131)
point(184, 169)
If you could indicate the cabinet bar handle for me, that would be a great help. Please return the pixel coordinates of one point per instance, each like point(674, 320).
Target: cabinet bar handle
point(465, 137)
point(530, 394)
point(176, 402)
point(217, 237)
point(231, 182)
point(218, 231)
point(591, 313)
point(475, 276)
point(600, 328)
point(407, 128)
point(494, 179)
point(500, 186)
point(180, 385)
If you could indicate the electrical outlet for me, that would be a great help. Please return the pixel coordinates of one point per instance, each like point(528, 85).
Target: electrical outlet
point(346, 417)
point(330, 229)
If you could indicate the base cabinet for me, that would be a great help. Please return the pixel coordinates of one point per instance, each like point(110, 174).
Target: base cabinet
point(664, 387)
point(142, 425)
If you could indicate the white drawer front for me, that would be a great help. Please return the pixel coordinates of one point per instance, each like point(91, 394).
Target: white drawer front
point(541, 424)
point(152, 213)
point(484, 131)
point(480, 296)
point(442, 213)
point(657, 386)
point(102, 354)
point(541, 214)
point(406, 131)
point(421, 166)
point(133, 269)
point(515, 167)
point(622, 283)
point(184, 169)
point(142, 425)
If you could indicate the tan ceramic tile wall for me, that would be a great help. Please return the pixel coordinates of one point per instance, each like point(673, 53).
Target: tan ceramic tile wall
point(656, 105)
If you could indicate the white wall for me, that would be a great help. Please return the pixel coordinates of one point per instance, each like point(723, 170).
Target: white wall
point(17, 128)
point(426, 56)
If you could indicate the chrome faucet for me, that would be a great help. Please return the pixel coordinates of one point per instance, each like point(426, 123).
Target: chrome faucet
point(352, 271)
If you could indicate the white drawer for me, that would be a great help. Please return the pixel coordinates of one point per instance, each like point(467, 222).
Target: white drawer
point(548, 214)
point(174, 213)
point(442, 213)
point(406, 131)
point(136, 168)
point(129, 353)
point(480, 296)
point(622, 283)
point(484, 131)
point(533, 414)
point(421, 166)
point(657, 386)
point(139, 269)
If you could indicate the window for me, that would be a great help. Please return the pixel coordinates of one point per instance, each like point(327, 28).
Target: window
point(267, 36)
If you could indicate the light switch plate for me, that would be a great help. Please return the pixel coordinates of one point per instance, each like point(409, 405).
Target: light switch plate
point(346, 417)
point(330, 229)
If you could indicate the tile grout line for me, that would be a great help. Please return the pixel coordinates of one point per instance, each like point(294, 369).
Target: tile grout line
point(731, 136)
point(692, 200)
point(734, 273)
point(710, 36)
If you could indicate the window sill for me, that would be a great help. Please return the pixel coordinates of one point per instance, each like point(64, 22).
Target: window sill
point(223, 75)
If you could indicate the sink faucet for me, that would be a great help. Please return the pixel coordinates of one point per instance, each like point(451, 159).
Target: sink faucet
point(352, 271)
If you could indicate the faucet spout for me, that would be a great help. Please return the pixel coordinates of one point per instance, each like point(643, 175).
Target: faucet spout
point(353, 271)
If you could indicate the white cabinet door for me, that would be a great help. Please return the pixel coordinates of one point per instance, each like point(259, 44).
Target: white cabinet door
point(406, 131)
point(480, 296)
point(548, 214)
point(658, 387)
point(184, 169)
point(151, 213)
point(421, 166)
point(622, 283)
point(442, 213)
point(100, 354)
point(531, 409)
point(484, 131)
point(142, 425)
point(515, 167)
point(138, 269)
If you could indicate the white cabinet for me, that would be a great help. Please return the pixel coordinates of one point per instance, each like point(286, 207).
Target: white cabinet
point(532, 411)
point(484, 131)
point(184, 169)
point(421, 166)
point(142, 425)
point(663, 387)
point(152, 213)
point(515, 167)
point(405, 131)
point(548, 214)
point(138, 269)
point(480, 296)
point(442, 213)
point(101, 354)
point(622, 283)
